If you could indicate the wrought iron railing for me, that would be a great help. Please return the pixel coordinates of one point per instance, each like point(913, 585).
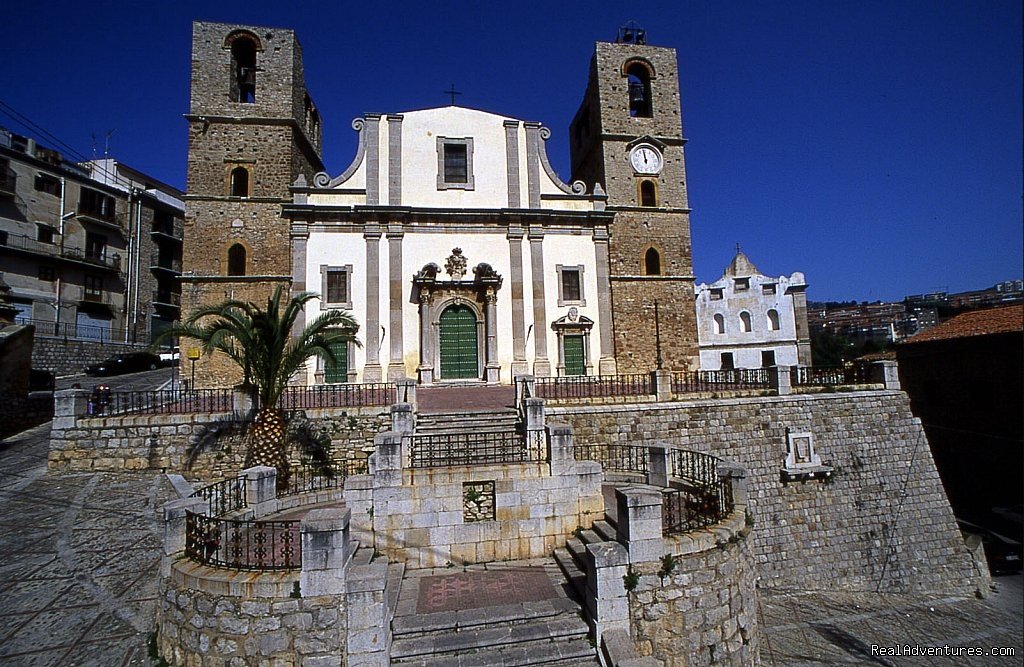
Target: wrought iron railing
point(689, 382)
point(73, 330)
point(227, 495)
point(243, 545)
point(699, 497)
point(593, 386)
point(337, 396)
point(307, 477)
point(817, 376)
point(164, 401)
point(475, 448)
point(614, 457)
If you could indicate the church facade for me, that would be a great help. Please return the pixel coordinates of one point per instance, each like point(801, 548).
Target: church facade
point(450, 238)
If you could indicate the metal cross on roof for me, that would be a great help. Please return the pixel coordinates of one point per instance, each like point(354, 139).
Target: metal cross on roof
point(453, 93)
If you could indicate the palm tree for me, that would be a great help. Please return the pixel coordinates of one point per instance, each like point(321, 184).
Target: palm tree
point(260, 342)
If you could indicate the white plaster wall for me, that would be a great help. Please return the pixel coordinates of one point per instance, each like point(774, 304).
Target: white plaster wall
point(569, 250)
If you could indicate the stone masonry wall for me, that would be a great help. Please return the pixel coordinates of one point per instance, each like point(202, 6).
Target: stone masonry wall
point(198, 446)
point(64, 356)
point(199, 629)
point(704, 612)
point(882, 522)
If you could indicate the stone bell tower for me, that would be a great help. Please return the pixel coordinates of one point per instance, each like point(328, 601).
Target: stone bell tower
point(253, 130)
point(627, 136)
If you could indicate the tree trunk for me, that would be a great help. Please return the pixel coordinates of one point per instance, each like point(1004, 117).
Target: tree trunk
point(267, 445)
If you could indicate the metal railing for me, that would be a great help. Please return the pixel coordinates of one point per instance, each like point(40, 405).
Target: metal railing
point(73, 330)
point(475, 448)
point(593, 386)
point(307, 477)
point(162, 402)
point(243, 545)
point(689, 382)
point(227, 495)
point(701, 497)
point(614, 457)
point(337, 396)
point(817, 376)
point(111, 261)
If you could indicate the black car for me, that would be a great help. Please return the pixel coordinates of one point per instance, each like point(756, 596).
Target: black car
point(125, 363)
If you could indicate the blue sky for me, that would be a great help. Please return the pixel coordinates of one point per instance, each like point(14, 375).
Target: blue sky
point(875, 146)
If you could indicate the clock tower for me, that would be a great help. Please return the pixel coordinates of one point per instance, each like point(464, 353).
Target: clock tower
point(627, 136)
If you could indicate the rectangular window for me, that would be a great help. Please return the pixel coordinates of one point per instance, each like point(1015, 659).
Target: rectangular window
point(742, 284)
point(727, 362)
point(44, 233)
point(48, 184)
point(768, 288)
point(94, 288)
point(767, 358)
point(96, 204)
point(95, 246)
point(716, 295)
point(570, 285)
point(47, 273)
point(454, 163)
point(336, 286)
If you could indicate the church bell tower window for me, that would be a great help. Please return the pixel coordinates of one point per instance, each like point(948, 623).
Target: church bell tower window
point(639, 78)
point(243, 70)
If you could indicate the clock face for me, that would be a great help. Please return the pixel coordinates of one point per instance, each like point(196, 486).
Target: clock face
point(646, 159)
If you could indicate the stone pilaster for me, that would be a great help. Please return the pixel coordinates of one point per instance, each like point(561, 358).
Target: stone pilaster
point(372, 371)
point(606, 362)
point(515, 251)
point(426, 367)
point(541, 364)
point(396, 364)
point(492, 368)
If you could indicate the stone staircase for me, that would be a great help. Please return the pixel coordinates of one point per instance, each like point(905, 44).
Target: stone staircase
point(452, 423)
point(572, 558)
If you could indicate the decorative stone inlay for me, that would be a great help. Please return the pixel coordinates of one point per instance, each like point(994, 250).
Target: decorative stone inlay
point(478, 501)
point(456, 264)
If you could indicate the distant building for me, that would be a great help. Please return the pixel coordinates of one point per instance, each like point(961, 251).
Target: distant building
point(748, 320)
point(883, 322)
point(1004, 293)
point(90, 250)
point(964, 379)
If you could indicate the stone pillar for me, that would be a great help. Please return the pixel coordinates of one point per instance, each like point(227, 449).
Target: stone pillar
point(369, 623)
point(541, 364)
point(525, 387)
point(402, 418)
point(560, 449)
point(533, 150)
point(735, 474)
point(639, 523)
point(606, 591)
point(396, 300)
point(426, 367)
point(658, 468)
point(372, 160)
point(606, 362)
point(515, 251)
point(492, 368)
point(662, 381)
point(174, 521)
point(780, 380)
point(372, 371)
point(261, 490)
point(534, 409)
point(406, 389)
point(325, 551)
point(300, 240)
point(389, 459)
point(887, 373)
point(68, 406)
point(242, 406)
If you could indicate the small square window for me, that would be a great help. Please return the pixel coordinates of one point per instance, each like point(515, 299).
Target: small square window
point(716, 295)
point(48, 184)
point(455, 163)
point(336, 286)
point(570, 285)
point(742, 284)
point(768, 288)
point(44, 233)
point(47, 273)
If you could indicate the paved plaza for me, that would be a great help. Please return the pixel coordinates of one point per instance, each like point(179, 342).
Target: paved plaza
point(78, 583)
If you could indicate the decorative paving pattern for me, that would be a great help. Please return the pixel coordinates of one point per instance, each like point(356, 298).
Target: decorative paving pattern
point(475, 590)
point(470, 398)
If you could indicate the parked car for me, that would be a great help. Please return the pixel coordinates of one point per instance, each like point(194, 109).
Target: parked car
point(1002, 553)
point(169, 357)
point(125, 363)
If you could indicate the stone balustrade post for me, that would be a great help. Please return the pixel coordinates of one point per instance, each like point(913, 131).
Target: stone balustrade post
point(68, 406)
point(402, 418)
point(560, 449)
point(780, 380)
point(242, 406)
point(534, 414)
point(174, 521)
point(887, 373)
point(369, 622)
point(607, 599)
point(658, 466)
point(261, 490)
point(326, 547)
point(406, 390)
point(735, 474)
point(661, 380)
point(640, 524)
point(525, 387)
point(389, 457)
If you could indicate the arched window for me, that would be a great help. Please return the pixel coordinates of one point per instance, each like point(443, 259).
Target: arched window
point(648, 194)
point(745, 322)
point(773, 320)
point(719, 324)
point(652, 262)
point(639, 90)
point(243, 70)
point(239, 182)
point(236, 260)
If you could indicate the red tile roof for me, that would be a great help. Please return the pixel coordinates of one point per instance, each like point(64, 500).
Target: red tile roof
point(975, 323)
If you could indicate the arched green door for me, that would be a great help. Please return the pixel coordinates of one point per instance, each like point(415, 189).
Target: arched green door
point(458, 344)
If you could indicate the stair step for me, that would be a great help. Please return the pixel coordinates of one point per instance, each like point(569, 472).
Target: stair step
point(590, 537)
point(572, 570)
point(362, 556)
point(561, 653)
point(455, 621)
point(605, 530)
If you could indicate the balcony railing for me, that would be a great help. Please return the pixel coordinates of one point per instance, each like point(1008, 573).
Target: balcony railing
point(243, 545)
point(307, 477)
point(689, 382)
point(818, 376)
point(615, 457)
point(22, 242)
point(165, 401)
point(224, 496)
point(103, 258)
point(477, 448)
point(73, 330)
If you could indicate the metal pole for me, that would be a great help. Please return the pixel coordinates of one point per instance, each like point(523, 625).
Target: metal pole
point(657, 333)
point(193, 386)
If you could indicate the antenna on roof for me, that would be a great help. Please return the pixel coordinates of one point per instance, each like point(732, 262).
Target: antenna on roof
point(631, 33)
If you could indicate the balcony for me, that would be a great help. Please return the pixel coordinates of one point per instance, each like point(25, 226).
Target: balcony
point(170, 231)
point(8, 181)
point(168, 299)
point(102, 216)
point(94, 258)
point(27, 244)
point(161, 262)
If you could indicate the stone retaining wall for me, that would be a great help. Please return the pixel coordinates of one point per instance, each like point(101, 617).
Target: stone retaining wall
point(66, 356)
point(18, 413)
point(882, 522)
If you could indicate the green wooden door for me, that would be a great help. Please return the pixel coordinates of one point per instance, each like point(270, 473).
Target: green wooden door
point(458, 344)
point(338, 371)
point(575, 363)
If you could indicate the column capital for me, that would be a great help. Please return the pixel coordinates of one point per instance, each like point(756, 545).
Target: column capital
point(371, 231)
